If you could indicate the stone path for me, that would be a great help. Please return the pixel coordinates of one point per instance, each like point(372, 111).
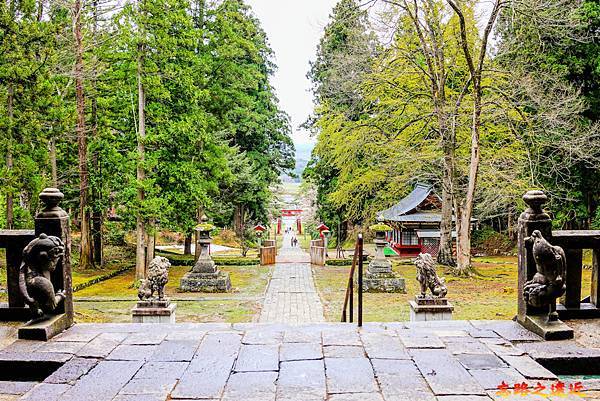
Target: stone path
point(291, 295)
point(422, 361)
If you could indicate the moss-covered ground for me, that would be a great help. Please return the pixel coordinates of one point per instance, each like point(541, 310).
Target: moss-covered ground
point(112, 300)
point(491, 294)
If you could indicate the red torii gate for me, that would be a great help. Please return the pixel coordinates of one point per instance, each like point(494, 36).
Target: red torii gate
point(291, 213)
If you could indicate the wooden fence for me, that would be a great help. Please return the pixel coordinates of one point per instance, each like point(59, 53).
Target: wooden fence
point(267, 255)
point(317, 252)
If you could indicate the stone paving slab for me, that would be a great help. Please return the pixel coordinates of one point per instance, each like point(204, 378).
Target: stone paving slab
point(401, 380)
point(444, 374)
point(251, 386)
point(257, 358)
point(349, 375)
point(103, 382)
point(300, 351)
point(301, 380)
point(71, 371)
point(313, 362)
point(47, 392)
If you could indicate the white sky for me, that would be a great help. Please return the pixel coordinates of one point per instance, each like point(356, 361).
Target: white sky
point(294, 28)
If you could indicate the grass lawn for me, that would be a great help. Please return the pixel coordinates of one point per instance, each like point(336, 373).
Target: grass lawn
point(249, 284)
point(491, 295)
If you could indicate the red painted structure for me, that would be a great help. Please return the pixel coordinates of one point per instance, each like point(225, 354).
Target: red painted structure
point(291, 212)
point(415, 221)
point(322, 227)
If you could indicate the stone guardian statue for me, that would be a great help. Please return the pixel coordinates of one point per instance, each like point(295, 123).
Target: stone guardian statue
point(428, 278)
point(548, 283)
point(40, 258)
point(158, 277)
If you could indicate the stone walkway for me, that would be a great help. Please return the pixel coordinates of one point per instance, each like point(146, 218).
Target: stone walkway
point(291, 295)
point(425, 361)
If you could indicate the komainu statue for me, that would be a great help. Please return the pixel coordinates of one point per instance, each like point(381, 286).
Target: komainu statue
point(428, 278)
point(158, 277)
point(549, 281)
point(40, 259)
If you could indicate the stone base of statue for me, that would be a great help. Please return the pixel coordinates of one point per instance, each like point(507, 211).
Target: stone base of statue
point(45, 328)
point(424, 309)
point(154, 311)
point(379, 277)
point(548, 329)
point(205, 277)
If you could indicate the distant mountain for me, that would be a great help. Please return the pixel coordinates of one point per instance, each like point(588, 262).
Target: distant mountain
point(303, 152)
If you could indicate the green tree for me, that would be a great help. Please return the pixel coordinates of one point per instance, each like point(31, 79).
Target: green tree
point(344, 56)
point(245, 110)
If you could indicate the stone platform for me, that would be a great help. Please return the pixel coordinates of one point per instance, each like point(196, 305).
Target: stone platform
point(154, 311)
point(406, 361)
point(427, 308)
point(205, 282)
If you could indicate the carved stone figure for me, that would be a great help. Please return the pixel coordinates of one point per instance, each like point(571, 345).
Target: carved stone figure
point(549, 281)
point(158, 277)
point(40, 259)
point(428, 278)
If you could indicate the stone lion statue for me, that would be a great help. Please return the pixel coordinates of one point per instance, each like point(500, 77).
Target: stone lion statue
point(158, 277)
point(428, 278)
point(40, 258)
point(548, 283)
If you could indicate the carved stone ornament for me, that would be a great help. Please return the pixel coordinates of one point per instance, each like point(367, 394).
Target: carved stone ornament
point(428, 278)
point(548, 283)
point(158, 277)
point(40, 259)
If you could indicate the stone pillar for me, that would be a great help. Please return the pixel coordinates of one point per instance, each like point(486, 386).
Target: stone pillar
point(196, 246)
point(204, 276)
point(379, 275)
point(14, 241)
point(54, 221)
point(531, 317)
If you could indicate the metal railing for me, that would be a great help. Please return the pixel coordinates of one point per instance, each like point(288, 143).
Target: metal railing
point(357, 260)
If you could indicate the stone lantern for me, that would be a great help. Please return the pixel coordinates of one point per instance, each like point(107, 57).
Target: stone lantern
point(204, 276)
point(379, 276)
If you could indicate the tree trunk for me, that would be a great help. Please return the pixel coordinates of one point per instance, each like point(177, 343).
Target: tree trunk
point(151, 241)
point(86, 259)
point(140, 257)
point(53, 165)
point(140, 250)
point(98, 221)
point(187, 245)
point(445, 255)
point(9, 160)
point(464, 234)
point(40, 10)
point(237, 220)
point(97, 218)
point(510, 225)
